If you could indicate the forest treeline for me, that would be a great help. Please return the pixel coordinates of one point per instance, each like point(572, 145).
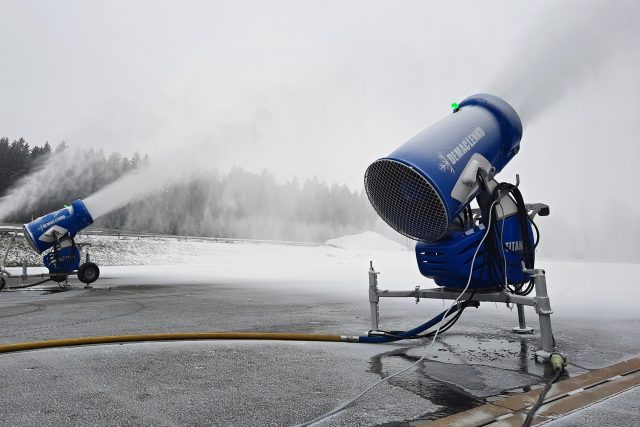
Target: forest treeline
point(17, 158)
point(234, 203)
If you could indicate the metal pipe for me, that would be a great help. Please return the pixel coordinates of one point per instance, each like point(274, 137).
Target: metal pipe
point(441, 293)
point(373, 297)
point(24, 271)
point(543, 308)
point(521, 319)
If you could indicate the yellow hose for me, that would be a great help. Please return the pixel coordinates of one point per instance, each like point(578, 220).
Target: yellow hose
point(180, 336)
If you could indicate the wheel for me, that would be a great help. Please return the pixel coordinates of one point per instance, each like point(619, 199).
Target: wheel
point(88, 272)
point(2, 282)
point(58, 277)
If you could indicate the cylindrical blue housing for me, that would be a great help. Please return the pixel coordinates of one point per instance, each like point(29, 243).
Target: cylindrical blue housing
point(65, 222)
point(420, 187)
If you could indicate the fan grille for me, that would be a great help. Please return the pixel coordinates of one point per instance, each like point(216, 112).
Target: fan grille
point(405, 200)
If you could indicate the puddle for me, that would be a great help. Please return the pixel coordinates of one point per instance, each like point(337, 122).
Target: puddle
point(450, 398)
point(55, 290)
point(462, 371)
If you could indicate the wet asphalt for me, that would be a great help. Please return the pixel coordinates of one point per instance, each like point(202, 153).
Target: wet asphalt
point(267, 383)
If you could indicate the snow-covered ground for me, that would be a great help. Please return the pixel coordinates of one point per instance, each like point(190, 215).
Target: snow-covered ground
point(340, 266)
point(128, 250)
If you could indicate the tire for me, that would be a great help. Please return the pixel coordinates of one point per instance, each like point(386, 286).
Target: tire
point(88, 272)
point(59, 278)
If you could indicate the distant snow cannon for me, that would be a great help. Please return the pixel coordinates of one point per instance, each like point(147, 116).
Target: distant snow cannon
point(425, 187)
point(57, 231)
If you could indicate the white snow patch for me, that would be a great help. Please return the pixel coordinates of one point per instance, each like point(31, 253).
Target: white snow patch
point(366, 241)
point(576, 288)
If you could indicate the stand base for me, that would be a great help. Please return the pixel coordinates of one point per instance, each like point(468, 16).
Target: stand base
point(540, 303)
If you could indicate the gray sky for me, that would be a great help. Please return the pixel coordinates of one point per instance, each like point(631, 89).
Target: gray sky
point(325, 87)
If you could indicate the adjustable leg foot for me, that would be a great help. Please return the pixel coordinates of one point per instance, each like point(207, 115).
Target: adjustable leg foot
point(522, 331)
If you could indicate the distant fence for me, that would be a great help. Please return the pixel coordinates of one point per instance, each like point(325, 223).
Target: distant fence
point(9, 229)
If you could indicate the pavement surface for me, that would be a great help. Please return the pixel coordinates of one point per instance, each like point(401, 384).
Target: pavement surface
point(274, 383)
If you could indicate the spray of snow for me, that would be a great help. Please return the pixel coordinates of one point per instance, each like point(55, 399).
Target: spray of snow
point(169, 167)
point(570, 42)
point(72, 169)
point(43, 184)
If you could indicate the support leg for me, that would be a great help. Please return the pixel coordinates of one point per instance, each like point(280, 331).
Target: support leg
point(24, 271)
point(373, 296)
point(543, 308)
point(522, 322)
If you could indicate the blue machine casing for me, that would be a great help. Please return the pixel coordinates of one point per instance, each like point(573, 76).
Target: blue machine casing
point(448, 261)
point(417, 189)
point(64, 260)
point(66, 222)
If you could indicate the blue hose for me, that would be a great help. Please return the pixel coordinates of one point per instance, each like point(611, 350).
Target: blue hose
point(410, 333)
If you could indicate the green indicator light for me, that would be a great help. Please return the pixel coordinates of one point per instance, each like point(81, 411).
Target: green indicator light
point(454, 105)
point(66, 206)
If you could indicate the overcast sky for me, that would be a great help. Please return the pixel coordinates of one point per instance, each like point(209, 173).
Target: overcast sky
point(325, 87)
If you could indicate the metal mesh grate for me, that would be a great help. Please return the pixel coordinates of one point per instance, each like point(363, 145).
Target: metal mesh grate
point(405, 200)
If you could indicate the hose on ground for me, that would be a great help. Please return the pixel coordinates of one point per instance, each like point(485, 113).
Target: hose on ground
point(180, 336)
point(375, 339)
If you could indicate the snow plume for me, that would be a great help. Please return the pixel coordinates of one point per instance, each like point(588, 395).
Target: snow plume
point(572, 41)
point(109, 183)
point(65, 171)
point(172, 166)
point(244, 204)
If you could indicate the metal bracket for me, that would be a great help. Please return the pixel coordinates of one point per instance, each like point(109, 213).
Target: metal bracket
point(540, 302)
point(537, 209)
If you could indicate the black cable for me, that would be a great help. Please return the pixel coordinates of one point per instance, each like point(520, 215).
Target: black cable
point(451, 321)
point(29, 285)
point(535, 245)
point(397, 334)
point(528, 251)
point(443, 328)
point(527, 421)
point(537, 239)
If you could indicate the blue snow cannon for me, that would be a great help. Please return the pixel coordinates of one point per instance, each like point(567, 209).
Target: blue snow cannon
point(56, 232)
point(43, 232)
point(424, 190)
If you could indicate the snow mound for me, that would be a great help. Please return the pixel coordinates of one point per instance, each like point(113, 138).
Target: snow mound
point(366, 241)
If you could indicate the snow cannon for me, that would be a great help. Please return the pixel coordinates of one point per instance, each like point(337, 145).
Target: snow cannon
point(42, 233)
point(424, 190)
point(56, 232)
